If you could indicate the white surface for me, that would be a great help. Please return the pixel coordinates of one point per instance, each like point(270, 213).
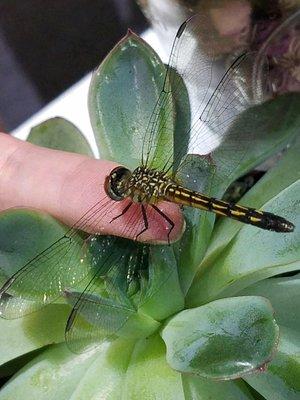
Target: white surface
point(72, 104)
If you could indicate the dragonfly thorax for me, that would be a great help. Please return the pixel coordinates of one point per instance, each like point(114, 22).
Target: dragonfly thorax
point(143, 185)
point(148, 185)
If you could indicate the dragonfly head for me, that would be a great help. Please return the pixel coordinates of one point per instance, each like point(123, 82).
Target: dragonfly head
point(116, 183)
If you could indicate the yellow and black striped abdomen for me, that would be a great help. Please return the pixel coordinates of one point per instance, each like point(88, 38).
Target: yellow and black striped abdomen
point(261, 219)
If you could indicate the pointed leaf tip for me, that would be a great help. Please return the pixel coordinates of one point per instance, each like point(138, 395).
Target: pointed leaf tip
point(131, 32)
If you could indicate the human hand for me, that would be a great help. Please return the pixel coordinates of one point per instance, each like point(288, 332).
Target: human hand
point(67, 185)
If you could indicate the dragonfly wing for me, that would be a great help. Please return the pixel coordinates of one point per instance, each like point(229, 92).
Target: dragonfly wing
point(43, 279)
point(185, 63)
point(126, 280)
point(100, 311)
point(217, 96)
point(222, 130)
point(93, 320)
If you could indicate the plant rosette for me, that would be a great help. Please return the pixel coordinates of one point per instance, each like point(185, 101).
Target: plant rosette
point(217, 320)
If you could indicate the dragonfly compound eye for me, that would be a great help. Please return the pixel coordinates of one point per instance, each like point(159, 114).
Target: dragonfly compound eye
point(117, 182)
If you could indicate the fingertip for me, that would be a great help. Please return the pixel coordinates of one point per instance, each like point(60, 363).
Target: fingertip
point(164, 227)
point(71, 187)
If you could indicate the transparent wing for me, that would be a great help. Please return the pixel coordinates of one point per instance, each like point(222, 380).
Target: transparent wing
point(127, 277)
point(22, 293)
point(217, 96)
point(191, 66)
point(68, 263)
point(223, 131)
point(93, 320)
point(104, 306)
point(42, 280)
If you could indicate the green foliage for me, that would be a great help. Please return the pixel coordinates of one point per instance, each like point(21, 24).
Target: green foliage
point(59, 134)
point(224, 339)
point(163, 352)
point(281, 379)
point(231, 261)
point(122, 93)
point(284, 294)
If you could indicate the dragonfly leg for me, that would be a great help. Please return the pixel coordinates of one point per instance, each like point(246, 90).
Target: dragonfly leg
point(166, 218)
point(123, 212)
point(146, 225)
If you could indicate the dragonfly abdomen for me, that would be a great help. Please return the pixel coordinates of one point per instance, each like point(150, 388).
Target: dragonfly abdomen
point(261, 219)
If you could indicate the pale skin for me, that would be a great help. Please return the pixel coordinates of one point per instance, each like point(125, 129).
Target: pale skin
point(67, 185)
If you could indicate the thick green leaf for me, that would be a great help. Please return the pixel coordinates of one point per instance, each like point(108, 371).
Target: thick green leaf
point(284, 294)
point(148, 374)
point(255, 394)
point(196, 173)
point(54, 374)
point(23, 235)
point(284, 174)
point(156, 300)
point(150, 283)
point(26, 233)
point(225, 339)
point(123, 93)
point(211, 174)
point(13, 366)
point(102, 318)
point(205, 389)
point(254, 254)
point(281, 380)
point(117, 370)
point(59, 134)
point(182, 120)
point(261, 131)
point(24, 335)
point(133, 296)
point(104, 379)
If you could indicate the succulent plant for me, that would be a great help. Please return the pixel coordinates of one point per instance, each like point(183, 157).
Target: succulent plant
point(218, 319)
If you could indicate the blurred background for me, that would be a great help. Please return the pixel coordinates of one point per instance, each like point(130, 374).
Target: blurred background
point(46, 46)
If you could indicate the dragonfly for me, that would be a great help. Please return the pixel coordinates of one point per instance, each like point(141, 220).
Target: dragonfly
point(105, 281)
